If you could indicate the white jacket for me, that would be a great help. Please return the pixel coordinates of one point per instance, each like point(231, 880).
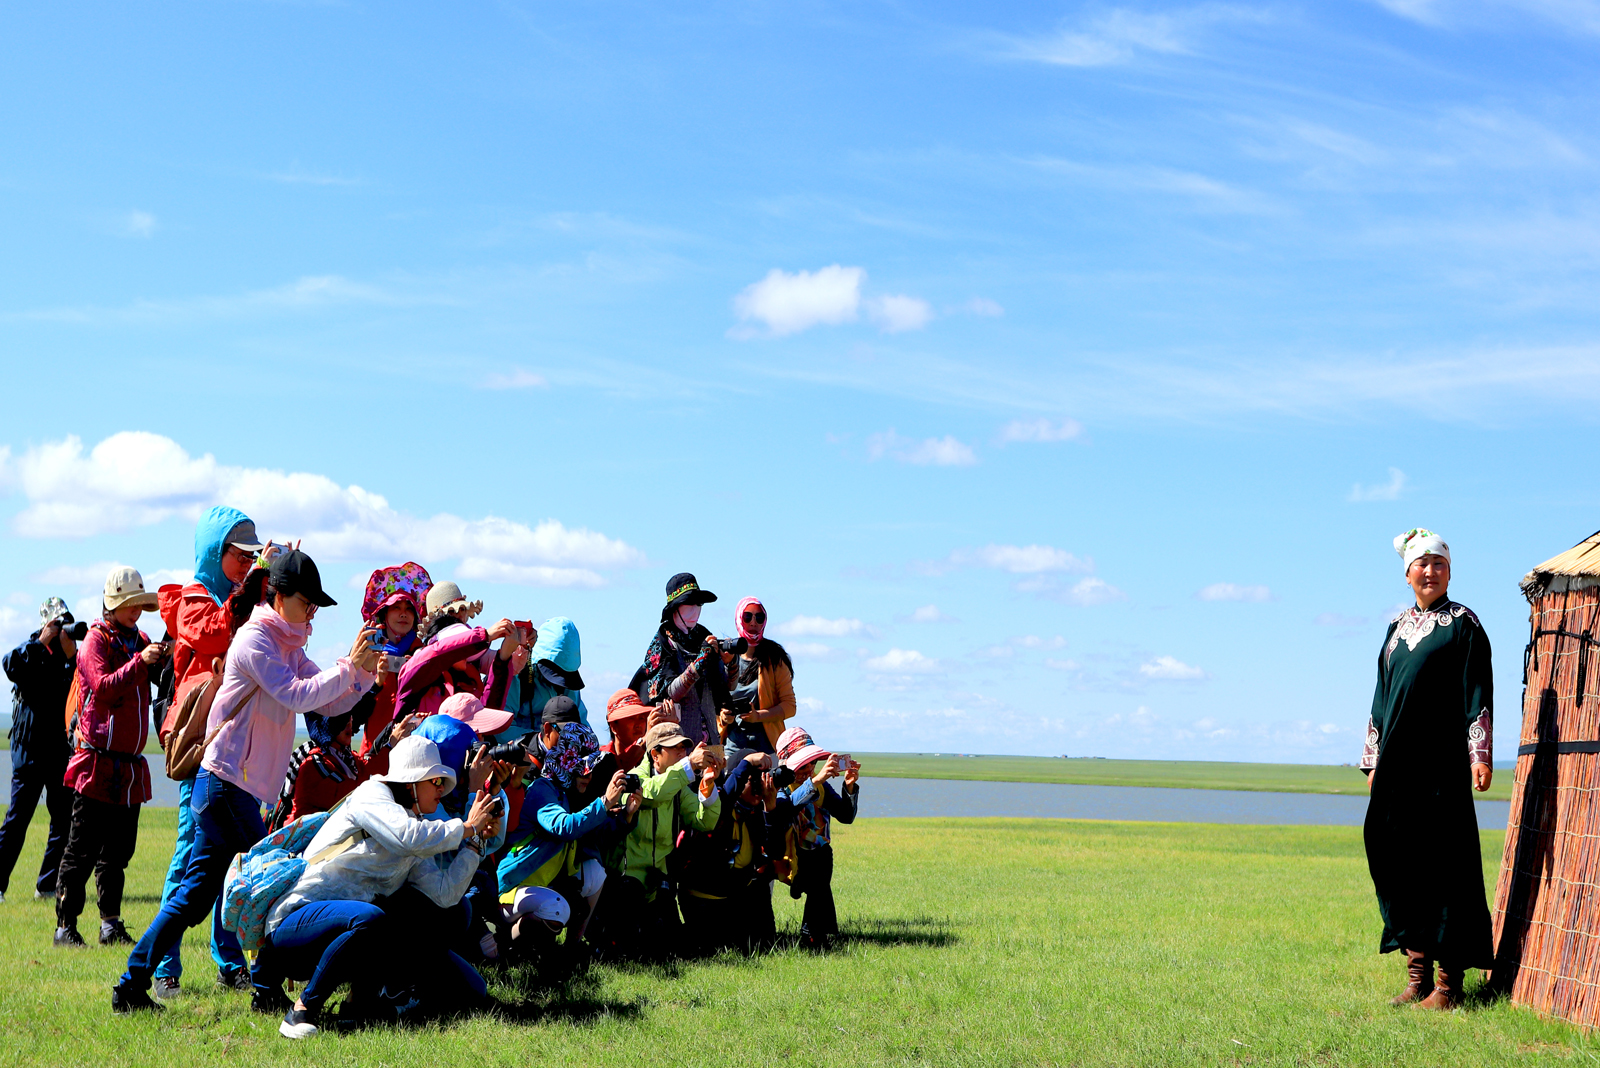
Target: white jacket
point(372, 848)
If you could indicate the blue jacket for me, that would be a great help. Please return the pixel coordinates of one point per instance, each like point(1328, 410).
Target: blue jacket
point(547, 808)
point(209, 546)
point(40, 680)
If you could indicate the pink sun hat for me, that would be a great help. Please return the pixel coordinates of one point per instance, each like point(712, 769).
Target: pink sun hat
point(796, 749)
point(469, 710)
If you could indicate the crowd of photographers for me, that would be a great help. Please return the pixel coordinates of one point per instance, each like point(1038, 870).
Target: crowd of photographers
point(452, 810)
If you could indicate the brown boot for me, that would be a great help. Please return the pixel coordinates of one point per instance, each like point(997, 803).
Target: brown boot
point(1447, 991)
point(1419, 978)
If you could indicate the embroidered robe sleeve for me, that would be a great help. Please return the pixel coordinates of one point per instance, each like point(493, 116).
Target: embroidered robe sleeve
point(1478, 688)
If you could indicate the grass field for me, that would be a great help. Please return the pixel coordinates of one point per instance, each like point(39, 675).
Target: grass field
point(1192, 774)
point(996, 942)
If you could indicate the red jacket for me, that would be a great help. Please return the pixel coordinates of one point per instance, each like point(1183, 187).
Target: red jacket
point(315, 791)
point(115, 722)
point(202, 630)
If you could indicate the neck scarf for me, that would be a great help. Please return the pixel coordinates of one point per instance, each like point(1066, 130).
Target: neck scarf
point(738, 621)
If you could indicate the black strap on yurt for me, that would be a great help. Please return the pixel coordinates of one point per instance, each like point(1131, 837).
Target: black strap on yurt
point(1561, 748)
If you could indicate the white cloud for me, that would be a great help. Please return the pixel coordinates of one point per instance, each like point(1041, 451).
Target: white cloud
point(784, 304)
point(929, 613)
point(982, 306)
point(1119, 35)
point(937, 452)
point(1228, 591)
point(516, 378)
point(819, 627)
point(1094, 591)
point(306, 294)
point(1033, 641)
point(903, 662)
point(1334, 619)
point(93, 576)
point(896, 313)
point(1061, 665)
point(1019, 559)
point(1389, 491)
point(997, 652)
point(138, 224)
point(1169, 668)
point(134, 479)
point(814, 651)
point(789, 303)
point(15, 626)
point(1041, 430)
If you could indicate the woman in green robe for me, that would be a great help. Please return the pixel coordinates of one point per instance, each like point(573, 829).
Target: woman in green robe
point(1428, 744)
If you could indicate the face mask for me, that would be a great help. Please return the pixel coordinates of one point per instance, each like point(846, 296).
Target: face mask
point(687, 616)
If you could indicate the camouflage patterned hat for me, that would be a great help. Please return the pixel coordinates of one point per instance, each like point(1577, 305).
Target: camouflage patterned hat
point(52, 609)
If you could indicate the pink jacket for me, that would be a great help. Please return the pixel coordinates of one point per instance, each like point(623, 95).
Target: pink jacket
point(450, 664)
point(268, 669)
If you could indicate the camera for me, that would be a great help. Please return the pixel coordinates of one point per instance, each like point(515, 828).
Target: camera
point(72, 628)
point(782, 776)
point(632, 784)
point(507, 752)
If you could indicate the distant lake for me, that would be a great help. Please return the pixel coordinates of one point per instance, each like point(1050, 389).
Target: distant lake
point(890, 798)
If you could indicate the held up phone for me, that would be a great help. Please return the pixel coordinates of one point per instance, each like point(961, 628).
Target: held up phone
point(632, 784)
point(497, 808)
point(845, 763)
point(526, 633)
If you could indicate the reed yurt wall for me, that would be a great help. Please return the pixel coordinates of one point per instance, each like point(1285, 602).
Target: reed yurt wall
point(1547, 901)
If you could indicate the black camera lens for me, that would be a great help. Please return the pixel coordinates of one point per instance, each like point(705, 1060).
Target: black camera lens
point(79, 631)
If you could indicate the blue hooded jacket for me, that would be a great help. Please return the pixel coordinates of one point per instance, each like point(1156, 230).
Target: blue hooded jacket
point(558, 643)
point(210, 541)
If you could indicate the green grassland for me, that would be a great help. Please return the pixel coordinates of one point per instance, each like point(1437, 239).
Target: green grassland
point(1191, 774)
point(994, 942)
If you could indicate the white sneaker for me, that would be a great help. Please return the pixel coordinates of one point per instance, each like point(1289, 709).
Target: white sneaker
point(165, 988)
point(297, 1024)
point(2, 897)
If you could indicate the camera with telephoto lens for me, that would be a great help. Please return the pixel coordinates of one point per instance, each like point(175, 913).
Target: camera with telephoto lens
point(72, 628)
point(782, 776)
point(506, 752)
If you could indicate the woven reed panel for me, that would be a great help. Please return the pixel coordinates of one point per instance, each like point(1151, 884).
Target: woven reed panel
point(1547, 901)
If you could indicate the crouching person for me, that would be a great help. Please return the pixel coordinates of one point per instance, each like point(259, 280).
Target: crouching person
point(332, 928)
point(725, 881)
point(801, 829)
point(560, 851)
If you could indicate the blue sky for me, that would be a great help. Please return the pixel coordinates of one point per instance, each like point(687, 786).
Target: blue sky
point(1057, 374)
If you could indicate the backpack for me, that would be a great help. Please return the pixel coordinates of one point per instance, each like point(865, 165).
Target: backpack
point(257, 880)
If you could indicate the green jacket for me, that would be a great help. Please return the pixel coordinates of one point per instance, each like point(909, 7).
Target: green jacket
point(670, 803)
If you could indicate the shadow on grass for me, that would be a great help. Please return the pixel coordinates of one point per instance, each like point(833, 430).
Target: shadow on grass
point(575, 1001)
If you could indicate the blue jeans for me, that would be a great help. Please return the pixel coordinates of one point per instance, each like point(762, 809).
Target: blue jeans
point(26, 783)
point(328, 941)
point(171, 965)
point(227, 821)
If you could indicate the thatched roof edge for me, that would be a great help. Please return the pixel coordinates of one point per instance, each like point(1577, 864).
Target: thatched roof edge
point(1580, 561)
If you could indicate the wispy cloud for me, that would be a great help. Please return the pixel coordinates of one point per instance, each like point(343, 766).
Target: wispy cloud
point(930, 613)
point(304, 294)
point(138, 224)
point(1387, 491)
point(935, 452)
point(297, 175)
point(1041, 430)
point(822, 627)
point(1228, 591)
point(1120, 35)
point(516, 378)
point(1017, 559)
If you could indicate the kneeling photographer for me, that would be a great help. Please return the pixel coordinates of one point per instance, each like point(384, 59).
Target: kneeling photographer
point(725, 874)
point(564, 837)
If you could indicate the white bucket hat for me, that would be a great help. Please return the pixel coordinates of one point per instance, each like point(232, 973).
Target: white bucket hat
point(542, 903)
point(415, 758)
point(126, 586)
point(445, 598)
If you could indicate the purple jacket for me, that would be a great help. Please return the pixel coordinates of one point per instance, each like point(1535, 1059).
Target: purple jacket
point(268, 669)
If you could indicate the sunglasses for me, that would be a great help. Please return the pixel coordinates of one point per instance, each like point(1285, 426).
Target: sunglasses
point(437, 784)
point(311, 606)
point(755, 617)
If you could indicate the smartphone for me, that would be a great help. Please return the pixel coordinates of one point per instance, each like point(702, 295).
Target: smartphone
point(526, 633)
point(844, 762)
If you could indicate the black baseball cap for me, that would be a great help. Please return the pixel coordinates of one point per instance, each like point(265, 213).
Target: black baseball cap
point(560, 709)
point(295, 572)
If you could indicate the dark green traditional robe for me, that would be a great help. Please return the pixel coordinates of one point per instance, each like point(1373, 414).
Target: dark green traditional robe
point(1434, 685)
